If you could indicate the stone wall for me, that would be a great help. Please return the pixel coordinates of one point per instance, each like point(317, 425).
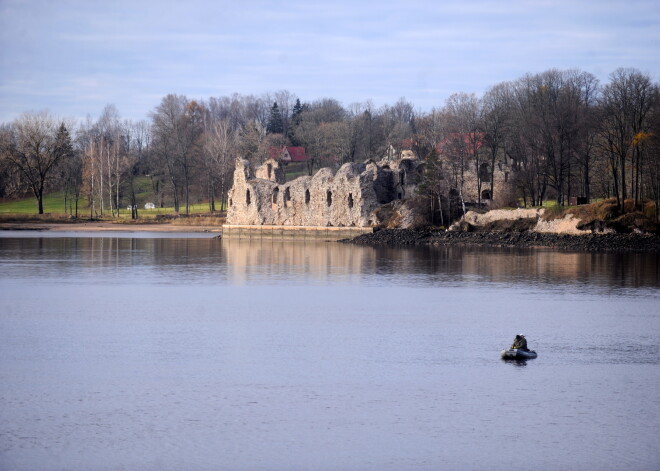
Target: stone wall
point(503, 193)
point(347, 198)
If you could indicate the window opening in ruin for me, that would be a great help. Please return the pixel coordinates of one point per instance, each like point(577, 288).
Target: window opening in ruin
point(270, 170)
point(485, 195)
point(230, 202)
point(247, 197)
point(350, 200)
point(287, 196)
point(276, 192)
point(306, 196)
point(328, 198)
point(484, 172)
point(400, 195)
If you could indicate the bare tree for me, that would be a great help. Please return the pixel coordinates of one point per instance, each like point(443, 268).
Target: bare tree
point(497, 104)
point(220, 144)
point(36, 150)
point(429, 132)
point(465, 139)
point(252, 142)
point(397, 123)
point(177, 125)
point(627, 101)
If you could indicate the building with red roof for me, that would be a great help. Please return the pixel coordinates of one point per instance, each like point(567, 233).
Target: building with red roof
point(288, 154)
point(463, 142)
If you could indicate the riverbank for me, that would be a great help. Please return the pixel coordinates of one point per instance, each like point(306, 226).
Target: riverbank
point(596, 242)
point(585, 243)
point(106, 226)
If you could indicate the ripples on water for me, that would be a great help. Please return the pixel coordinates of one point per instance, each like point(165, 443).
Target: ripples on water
point(190, 353)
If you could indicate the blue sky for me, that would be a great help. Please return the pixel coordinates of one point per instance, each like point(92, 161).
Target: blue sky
point(73, 57)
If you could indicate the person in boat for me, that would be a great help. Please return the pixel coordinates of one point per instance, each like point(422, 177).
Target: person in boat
point(520, 343)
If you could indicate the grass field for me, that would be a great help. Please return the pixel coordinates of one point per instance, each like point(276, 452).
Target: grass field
point(53, 203)
point(54, 207)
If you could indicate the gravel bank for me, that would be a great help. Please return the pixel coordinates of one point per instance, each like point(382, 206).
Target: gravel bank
point(585, 243)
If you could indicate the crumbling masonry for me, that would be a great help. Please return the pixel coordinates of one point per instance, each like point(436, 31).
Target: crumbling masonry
point(348, 198)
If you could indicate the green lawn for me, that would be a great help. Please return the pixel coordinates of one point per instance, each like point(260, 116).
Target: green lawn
point(54, 204)
point(295, 170)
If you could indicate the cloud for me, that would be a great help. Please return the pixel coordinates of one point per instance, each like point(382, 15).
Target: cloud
point(81, 55)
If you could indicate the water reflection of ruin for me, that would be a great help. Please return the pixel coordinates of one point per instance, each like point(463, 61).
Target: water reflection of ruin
point(320, 261)
point(275, 259)
point(243, 261)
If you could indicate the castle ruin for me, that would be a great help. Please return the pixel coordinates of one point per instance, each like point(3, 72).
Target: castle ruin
point(360, 195)
point(347, 198)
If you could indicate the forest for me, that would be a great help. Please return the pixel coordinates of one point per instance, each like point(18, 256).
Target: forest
point(563, 133)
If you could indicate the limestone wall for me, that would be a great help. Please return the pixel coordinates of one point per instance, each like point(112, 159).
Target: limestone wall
point(347, 198)
point(566, 225)
point(503, 192)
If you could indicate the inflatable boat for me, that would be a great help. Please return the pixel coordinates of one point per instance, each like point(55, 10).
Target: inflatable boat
point(517, 354)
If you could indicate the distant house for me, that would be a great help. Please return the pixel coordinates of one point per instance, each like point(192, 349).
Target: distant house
point(288, 154)
point(467, 142)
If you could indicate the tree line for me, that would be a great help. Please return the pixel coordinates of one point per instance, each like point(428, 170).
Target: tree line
point(562, 132)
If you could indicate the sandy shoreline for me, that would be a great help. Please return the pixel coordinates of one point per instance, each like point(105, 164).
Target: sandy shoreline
point(106, 226)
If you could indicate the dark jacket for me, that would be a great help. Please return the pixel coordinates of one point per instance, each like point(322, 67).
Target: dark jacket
point(519, 342)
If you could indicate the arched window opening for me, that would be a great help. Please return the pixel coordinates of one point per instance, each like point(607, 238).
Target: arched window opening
point(276, 192)
point(270, 170)
point(306, 196)
point(328, 198)
point(485, 195)
point(350, 200)
point(230, 202)
point(247, 197)
point(287, 196)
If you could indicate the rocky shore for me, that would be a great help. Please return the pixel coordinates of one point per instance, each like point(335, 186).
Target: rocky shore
point(583, 243)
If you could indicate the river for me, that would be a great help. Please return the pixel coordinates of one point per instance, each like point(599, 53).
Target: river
point(170, 352)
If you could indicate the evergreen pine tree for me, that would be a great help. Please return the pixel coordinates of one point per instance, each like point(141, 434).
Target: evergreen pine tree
point(275, 123)
point(63, 145)
point(295, 121)
point(297, 109)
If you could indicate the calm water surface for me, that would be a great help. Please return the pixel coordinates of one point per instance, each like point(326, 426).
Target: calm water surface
point(167, 353)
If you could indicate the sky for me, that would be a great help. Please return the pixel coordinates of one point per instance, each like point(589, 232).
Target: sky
point(73, 57)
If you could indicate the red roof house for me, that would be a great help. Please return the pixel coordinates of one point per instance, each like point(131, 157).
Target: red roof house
point(467, 142)
point(288, 154)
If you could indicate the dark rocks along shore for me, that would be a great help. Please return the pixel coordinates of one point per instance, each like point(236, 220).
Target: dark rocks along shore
point(584, 243)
